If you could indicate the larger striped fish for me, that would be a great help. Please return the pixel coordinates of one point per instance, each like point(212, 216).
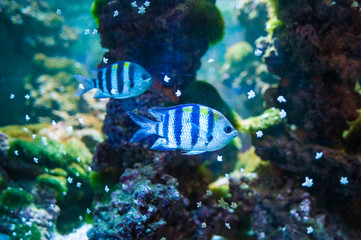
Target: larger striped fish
point(191, 127)
point(119, 80)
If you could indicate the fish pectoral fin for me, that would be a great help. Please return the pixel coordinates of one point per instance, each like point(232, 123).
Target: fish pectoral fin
point(100, 94)
point(193, 152)
point(162, 145)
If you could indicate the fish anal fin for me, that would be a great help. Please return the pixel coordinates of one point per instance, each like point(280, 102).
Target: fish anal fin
point(193, 152)
point(100, 94)
point(162, 145)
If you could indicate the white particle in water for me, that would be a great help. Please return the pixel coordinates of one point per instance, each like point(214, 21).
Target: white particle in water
point(251, 94)
point(178, 93)
point(259, 133)
point(166, 79)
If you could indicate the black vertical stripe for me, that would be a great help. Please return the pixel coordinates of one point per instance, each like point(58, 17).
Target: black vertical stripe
point(195, 124)
point(120, 78)
point(100, 80)
point(131, 76)
point(210, 126)
point(95, 82)
point(178, 125)
point(165, 126)
point(108, 78)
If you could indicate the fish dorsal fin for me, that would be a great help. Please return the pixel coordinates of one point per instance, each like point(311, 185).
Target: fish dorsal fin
point(158, 113)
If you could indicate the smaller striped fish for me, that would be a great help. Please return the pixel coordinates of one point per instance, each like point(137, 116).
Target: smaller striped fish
point(192, 128)
point(119, 80)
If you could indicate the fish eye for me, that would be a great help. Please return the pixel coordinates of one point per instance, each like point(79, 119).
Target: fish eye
point(227, 129)
point(144, 76)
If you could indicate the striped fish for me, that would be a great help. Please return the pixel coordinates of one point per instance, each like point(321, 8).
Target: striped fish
point(192, 128)
point(119, 80)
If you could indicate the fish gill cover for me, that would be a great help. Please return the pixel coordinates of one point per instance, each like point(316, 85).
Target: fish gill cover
point(293, 79)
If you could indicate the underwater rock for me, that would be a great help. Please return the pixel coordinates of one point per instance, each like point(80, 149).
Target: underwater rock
point(55, 172)
point(52, 87)
point(147, 204)
point(26, 215)
point(279, 209)
point(243, 73)
point(27, 27)
point(253, 16)
point(298, 158)
point(168, 39)
point(315, 52)
point(139, 208)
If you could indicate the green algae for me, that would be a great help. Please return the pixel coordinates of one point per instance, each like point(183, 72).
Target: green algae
point(269, 118)
point(22, 232)
point(107, 177)
point(15, 198)
point(56, 183)
point(59, 172)
point(239, 53)
point(204, 21)
point(17, 131)
point(97, 8)
point(249, 161)
point(53, 154)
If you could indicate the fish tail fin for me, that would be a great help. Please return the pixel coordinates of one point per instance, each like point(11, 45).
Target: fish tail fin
point(85, 84)
point(147, 127)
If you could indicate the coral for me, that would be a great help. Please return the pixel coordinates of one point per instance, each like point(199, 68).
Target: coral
point(243, 72)
point(57, 184)
point(15, 198)
point(253, 16)
point(265, 121)
point(54, 171)
point(315, 52)
point(165, 40)
point(52, 88)
point(33, 221)
point(279, 209)
point(204, 21)
point(322, 86)
point(139, 208)
point(26, 29)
